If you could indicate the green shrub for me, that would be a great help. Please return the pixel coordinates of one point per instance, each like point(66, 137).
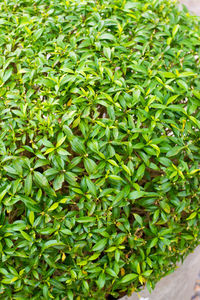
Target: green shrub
point(99, 136)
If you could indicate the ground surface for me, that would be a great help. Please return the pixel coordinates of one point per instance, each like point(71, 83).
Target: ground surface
point(180, 284)
point(193, 5)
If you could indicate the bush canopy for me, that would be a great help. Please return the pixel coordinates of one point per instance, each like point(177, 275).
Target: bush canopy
point(99, 145)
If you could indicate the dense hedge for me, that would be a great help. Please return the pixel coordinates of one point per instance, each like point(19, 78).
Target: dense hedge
point(99, 145)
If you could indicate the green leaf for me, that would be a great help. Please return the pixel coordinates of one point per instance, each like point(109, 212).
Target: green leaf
point(175, 30)
point(196, 94)
point(192, 216)
point(115, 177)
point(58, 182)
point(40, 179)
point(167, 74)
point(49, 150)
point(107, 36)
point(9, 280)
point(172, 99)
point(78, 146)
point(60, 141)
point(174, 151)
point(165, 206)
point(129, 5)
point(195, 121)
point(45, 292)
point(91, 187)
point(129, 278)
point(26, 236)
point(182, 84)
point(86, 219)
point(42, 182)
point(90, 165)
point(4, 191)
point(113, 163)
point(138, 219)
point(99, 246)
point(86, 285)
point(70, 295)
point(28, 184)
point(94, 256)
point(51, 243)
point(136, 194)
point(111, 272)
point(7, 75)
point(31, 217)
point(153, 243)
point(10, 170)
point(50, 172)
point(53, 206)
point(140, 172)
point(37, 34)
point(107, 52)
point(62, 151)
point(187, 74)
point(101, 281)
point(147, 273)
point(111, 249)
point(28, 148)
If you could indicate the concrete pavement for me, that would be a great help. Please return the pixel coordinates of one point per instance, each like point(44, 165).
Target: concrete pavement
point(193, 5)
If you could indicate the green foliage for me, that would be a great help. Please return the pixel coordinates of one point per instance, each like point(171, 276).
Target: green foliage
point(99, 145)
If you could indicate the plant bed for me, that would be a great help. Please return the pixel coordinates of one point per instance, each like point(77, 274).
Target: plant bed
point(99, 136)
